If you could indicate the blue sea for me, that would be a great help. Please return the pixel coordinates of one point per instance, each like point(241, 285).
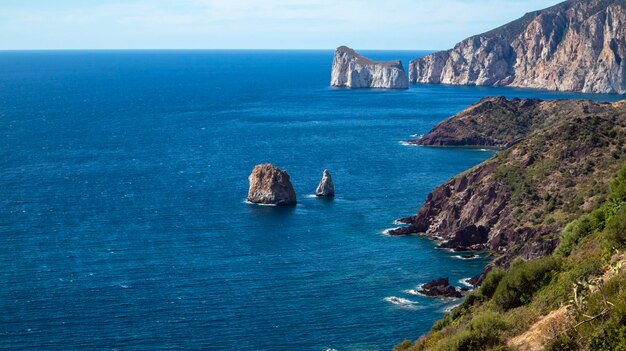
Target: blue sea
point(123, 222)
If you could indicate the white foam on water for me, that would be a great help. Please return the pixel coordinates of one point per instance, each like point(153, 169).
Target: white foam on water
point(386, 231)
point(451, 307)
point(255, 204)
point(399, 301)
point(415, 292)
point(465, 281)
point(460, 257)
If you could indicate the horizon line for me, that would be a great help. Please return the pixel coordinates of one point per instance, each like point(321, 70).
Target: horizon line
point(205, 49)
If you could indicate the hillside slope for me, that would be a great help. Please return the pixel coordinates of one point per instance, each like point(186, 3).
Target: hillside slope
point(516, 203)
point(574, 299)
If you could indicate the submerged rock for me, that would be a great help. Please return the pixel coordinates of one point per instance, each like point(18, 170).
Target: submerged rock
point(439, 288)
point(352, 70)
point(326, 188)
point(271, 186)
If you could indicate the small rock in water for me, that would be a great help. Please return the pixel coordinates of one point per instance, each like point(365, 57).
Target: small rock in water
point(326, 188)
point(441, 288)
point(271, 186)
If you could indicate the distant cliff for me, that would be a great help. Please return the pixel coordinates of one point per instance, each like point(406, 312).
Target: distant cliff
point(355, 71)
point(577, 45)
point(556, 163)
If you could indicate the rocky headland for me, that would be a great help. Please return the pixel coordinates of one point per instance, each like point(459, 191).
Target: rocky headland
point(556, 161)
point(551, 209)
point(577, 45)
point(352, 70)
point(270, 186)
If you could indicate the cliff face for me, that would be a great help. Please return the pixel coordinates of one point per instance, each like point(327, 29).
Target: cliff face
point(578, 45)
point(516, 203)
point(352, 70)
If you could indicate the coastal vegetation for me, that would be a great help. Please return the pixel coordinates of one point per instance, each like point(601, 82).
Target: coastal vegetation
point(573, 299)
point(554, 167)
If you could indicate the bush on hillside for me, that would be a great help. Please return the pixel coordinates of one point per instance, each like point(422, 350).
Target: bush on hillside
point(481, 333)
point(489, 285)
point(615, 232)
point(618, 187)
point(523, 280)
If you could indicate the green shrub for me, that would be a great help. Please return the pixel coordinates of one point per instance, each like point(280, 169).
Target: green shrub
point(612, 338)
point(562, 342)
point(457, 312)
point(618, 187)
point(481, 333)
point(582, 227)
point(615, 232)
point(404, 345)
point(572, 234)
point(489, 285)
point(519, 285)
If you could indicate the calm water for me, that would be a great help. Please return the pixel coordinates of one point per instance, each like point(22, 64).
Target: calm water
point(122, 217)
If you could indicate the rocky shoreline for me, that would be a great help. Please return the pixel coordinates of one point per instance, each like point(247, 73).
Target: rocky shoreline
point(551, 151)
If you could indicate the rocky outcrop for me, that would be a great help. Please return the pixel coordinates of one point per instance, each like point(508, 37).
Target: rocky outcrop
point(352, 70)
point(440, 288)
point(494, 122)
point(326, 188)
point(271, 186)
point(578, 45)
point(516, 203)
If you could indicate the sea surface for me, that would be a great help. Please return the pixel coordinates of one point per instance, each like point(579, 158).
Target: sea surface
point(123, 222)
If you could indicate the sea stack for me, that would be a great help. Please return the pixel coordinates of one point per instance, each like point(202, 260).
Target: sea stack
point(326, 188)
point(352, 70)
point(270, 186)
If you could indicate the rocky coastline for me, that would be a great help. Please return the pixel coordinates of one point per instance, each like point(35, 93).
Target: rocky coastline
point(516, 203)
point(577, 45)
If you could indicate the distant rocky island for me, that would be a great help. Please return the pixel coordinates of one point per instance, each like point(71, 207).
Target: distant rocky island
point(352, 70)
point(577, 45)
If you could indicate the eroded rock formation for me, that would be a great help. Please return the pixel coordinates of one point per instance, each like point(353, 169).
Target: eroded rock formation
point(326, 188)
point(578, 45)
point(352, 70)
point(271, 186)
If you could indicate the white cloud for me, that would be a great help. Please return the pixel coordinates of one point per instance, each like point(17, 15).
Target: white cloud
point(385, 24)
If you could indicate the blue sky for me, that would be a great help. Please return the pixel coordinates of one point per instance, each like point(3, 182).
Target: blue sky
point(253, 24)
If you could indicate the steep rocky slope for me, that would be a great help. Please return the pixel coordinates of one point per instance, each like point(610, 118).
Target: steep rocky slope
point(516, 203)
point(578, 45)
point(352, 70)
point(570, 300)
